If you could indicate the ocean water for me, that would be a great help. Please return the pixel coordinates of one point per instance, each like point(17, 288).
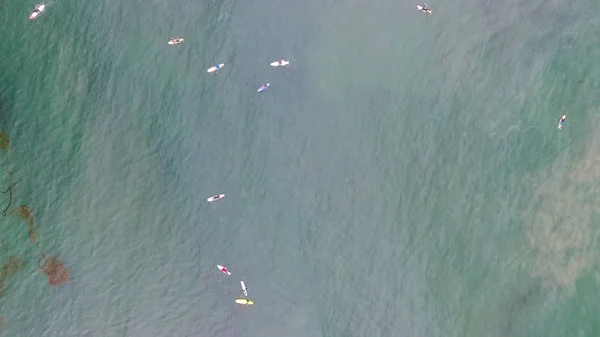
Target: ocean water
point(403, 177)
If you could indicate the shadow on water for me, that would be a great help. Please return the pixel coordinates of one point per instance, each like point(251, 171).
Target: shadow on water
point(506, 310)
point(514, 307)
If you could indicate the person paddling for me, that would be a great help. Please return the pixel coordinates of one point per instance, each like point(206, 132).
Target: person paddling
point(423, 8)
point(562, 121)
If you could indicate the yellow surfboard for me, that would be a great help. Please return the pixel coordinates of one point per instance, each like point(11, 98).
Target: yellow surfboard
point(243, 301)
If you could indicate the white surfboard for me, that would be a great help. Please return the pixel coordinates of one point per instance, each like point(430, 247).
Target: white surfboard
point(561, 121)
point(424, 10)
point(215, 68)
point(176, 41)
point(38, 10)
point(280, 63)
point(264, 87)
point(216, 197)
point(221, 268)
point(244, 290)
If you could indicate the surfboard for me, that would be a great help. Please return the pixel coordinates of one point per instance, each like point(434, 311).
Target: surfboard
point(215, 68)
point(38, 10)
point(220, 267)
point(424, 10)
point(280, 63)
point(263, 87)
point(176, 41)
point(561, 122)
point(243, 301)
point(216, 197)
point(244, 290)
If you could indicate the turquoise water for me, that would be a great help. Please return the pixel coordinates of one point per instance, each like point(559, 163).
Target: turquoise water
point(404, 177)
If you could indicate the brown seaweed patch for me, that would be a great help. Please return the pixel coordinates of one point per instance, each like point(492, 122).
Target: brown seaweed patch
point(55, 270)
point(4, 142)
point(26, 215)
point(10, 268)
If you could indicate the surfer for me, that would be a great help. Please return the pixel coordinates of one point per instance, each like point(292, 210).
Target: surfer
point(223, 269)
point(37, 11)
point(423, 8)
point(562, 120)
point(215, 68)
point(244, 289)
point(176, 40)
point(264, 87)
point(280, 63)
point(216, 197)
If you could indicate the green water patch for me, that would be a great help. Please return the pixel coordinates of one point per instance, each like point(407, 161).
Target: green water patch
point(500, 305)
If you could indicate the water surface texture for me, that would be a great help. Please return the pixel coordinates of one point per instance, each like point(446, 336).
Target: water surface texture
point(404, 176)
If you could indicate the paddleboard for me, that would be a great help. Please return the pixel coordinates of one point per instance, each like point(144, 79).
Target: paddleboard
point(280, 63)
point(244, 290)
point(216, 197)
point(243, 301)
point(263, 87)
point(38, 10)
point(215, 68)
point(176, 41)
point(223, 269)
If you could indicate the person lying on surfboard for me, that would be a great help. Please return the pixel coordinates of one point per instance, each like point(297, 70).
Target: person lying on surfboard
point(37, 11)
point(244, 290)
point(423, 8)
point(223, 269)
point(561, 122)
